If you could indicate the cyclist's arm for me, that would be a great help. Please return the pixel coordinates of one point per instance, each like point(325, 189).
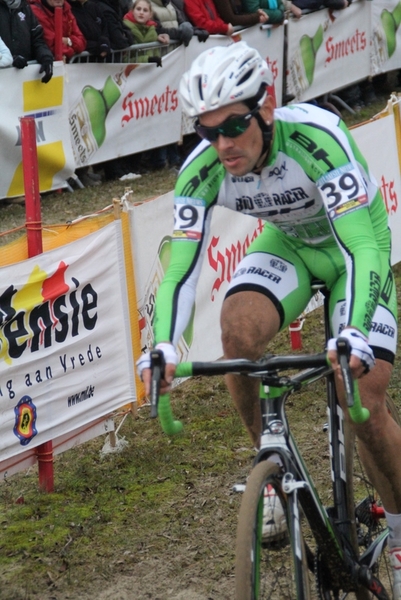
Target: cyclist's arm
point(176, 294)
point(196, 193)
point(358, 218)
point(355, 235)
point(351, 218)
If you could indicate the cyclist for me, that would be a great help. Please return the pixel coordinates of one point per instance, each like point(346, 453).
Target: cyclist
point(299, 169)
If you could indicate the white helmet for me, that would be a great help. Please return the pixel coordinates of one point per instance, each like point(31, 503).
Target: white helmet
point(223, 75)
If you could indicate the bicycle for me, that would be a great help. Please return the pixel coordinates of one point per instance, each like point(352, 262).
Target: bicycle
point(329, 553)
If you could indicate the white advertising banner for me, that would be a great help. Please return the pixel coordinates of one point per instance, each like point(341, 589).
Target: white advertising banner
point(65, 347)
point(386, 36)
point(328, 50)
point(384, 165)
point(119, 109)
point(151, 228)
point(269, 41)
point(27, 96)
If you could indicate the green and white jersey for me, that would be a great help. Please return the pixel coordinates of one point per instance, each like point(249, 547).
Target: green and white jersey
point(315, 192)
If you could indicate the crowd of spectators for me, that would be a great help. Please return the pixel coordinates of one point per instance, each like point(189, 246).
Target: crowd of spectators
point(23, 36)
point(105, 29)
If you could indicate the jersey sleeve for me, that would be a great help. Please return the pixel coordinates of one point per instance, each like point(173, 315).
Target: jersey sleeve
point(196, 193)
point(355, 208)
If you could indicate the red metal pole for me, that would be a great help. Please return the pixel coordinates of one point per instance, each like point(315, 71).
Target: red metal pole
point(295, 334)
point(35, 247)
point(58, 32)
point(31, 186)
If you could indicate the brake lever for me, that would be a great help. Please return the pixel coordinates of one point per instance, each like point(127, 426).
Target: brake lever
point(343, 351)
point(157, 364)
point(358, 413)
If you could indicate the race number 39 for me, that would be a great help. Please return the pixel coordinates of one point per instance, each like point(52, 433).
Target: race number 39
point(188, 218)
point(343, 191)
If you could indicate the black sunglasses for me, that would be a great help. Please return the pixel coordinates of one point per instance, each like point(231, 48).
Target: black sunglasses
point(231, 127)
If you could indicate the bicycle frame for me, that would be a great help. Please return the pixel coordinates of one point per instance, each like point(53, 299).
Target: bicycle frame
point(330, 534)
point(332, 528)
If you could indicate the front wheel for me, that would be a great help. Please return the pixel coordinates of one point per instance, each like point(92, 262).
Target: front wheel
point(269, 570)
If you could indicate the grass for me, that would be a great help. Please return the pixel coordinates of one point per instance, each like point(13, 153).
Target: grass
point(161, 512)
point(159, 497)
point(63, 206)
point(107, 512)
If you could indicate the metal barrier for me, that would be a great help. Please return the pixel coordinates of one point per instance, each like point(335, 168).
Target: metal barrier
point(131, 54)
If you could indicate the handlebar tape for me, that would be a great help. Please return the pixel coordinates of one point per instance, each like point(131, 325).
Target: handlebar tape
point(358, 413)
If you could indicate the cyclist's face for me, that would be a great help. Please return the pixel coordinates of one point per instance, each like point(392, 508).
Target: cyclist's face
point(240, 154)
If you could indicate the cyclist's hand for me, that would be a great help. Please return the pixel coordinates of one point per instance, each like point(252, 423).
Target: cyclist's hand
point(361, 360)
point(145, 372)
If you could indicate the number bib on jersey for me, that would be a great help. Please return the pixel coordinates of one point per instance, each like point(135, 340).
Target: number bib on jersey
point(343, 191)
point(188, 219)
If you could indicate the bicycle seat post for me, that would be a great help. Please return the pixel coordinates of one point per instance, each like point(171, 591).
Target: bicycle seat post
point(319, 286)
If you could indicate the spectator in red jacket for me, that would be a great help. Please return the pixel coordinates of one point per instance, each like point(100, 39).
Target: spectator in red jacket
point(73, 39)
point(203, 14)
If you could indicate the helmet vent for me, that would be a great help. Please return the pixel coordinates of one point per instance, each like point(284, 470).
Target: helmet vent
point(200, 88)
point(224, 75)
point(245, 77)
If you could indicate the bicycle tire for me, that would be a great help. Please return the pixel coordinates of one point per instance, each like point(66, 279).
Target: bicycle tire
point(363, 497)
point(271, 571)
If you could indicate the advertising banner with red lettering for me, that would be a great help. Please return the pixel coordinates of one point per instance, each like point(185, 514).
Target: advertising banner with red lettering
point(120, 109)
point(24, 95)
point(89, 113)
point(270, 43)
point(65, 347)
point(386, 35)
point(328, 50)
point(151, 228)
point(384, 165)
